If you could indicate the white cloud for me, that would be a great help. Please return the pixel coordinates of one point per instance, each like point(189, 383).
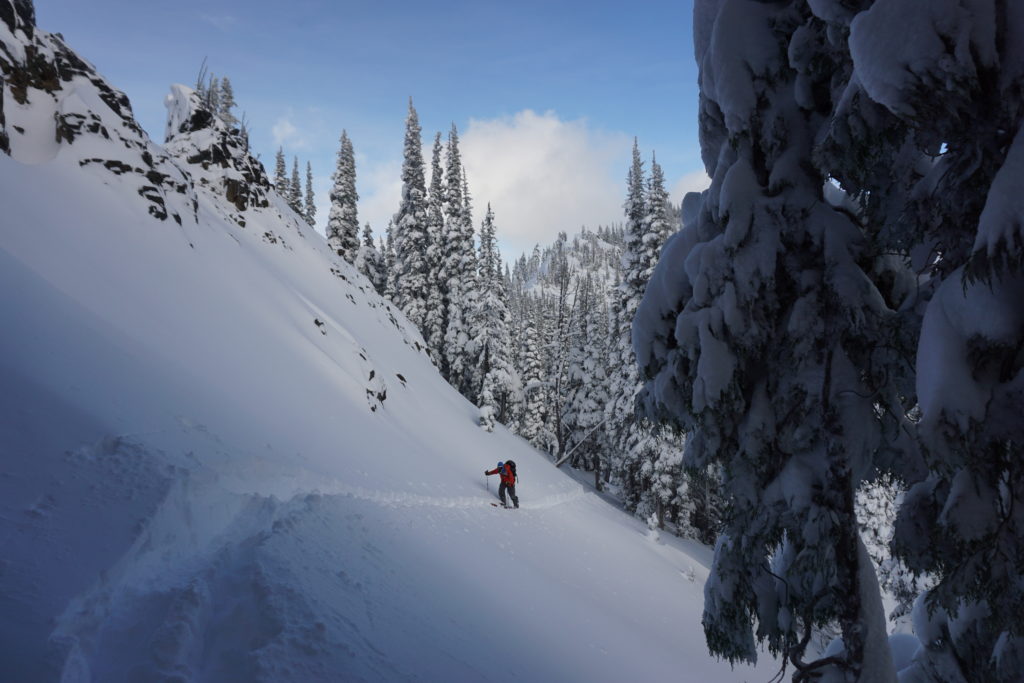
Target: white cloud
point(697, 181)
point(286, 134)
point(543, 175)
point(540, 173)
point(224, 22)
point(380, 189)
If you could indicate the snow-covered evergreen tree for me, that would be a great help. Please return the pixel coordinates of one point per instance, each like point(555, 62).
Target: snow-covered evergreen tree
point(280, 175)
point(561, 322)
point(759, 332)
point(389, 261)
point(499, 381)
point(227, 103)
point(661, 455)
point(623, 378)
point(586, 395)
point(343, 219)
point(489, 260)
point(309, 207)
point(212, 93)
point(636, 447)
point(295, 188)
point(200, 85)
point(658, 225)
point(410, 229)
point(370, 261)
point(702, 504)
point(472, 296)
point(437, 281)
point(459, 268)
point(533, 421)
point(668, 500)
point(955, 82)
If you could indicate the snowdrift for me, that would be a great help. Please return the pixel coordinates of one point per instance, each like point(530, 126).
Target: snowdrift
point(224, 457)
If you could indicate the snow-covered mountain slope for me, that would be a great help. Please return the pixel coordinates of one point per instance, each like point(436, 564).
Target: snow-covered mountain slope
point(224, 457)
point(587, 253)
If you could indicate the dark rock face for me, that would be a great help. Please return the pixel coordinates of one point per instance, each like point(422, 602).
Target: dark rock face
point(205, 142)
point(249, 190)
point(26, 11)
point(18, 14)
point(48, 64)
point(35, 70)
point(199, 120)
point(7, 14)
point(5, 143)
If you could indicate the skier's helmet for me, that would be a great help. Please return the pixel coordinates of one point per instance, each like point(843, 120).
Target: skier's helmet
point(500, 465)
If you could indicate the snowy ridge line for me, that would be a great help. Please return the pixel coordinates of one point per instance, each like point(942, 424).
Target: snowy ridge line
point(401, 499)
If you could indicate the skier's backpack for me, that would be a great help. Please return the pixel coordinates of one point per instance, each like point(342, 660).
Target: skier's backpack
point(512, 466)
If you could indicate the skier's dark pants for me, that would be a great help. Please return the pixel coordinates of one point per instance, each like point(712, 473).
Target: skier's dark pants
point(511, 492)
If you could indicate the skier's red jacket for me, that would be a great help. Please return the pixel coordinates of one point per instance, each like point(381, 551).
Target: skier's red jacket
point(506, 475)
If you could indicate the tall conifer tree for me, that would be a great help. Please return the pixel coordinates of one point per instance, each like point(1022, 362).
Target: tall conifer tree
point(309, 209)
point(456, 262)
point(499, 382)
point(370, 261)
point(532, 426)
point(343, 220)
point(295, 188)
point(280, 175)
point(624, 381)
point(767, 340)
point(227, 103)
point(212, 93)
point(389, 261)
point(410, 225)
point(437, 281)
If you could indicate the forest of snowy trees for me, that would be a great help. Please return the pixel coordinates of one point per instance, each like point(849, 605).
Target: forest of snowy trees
point(543, 346)
point(572, 306)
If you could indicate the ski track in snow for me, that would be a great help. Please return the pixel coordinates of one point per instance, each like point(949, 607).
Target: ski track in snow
point(207, 589)
point(405, 499)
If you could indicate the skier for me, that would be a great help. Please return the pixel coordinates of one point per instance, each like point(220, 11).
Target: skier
point(508, 481)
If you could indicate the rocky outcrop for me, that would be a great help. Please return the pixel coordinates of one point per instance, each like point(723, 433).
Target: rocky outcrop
point(51, 100)
point(18, 15)
point(5, 143)
point(54, 105)
point(218, 155)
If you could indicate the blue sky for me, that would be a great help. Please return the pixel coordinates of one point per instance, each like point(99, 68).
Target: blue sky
point(562, 86)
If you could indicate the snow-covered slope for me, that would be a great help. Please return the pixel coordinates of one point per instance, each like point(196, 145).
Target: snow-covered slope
point(224, 457)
